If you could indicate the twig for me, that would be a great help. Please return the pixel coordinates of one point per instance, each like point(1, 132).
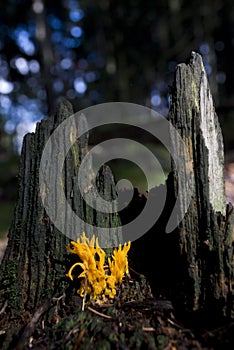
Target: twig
point(34, 320)
point(59, 298)
point(31, 325)
point(80, 336)
point(103, 306)
point(136, 273)
point(4, 307)
point(85, 294)
point(148, 329)
point(56, 300)
point(98, 313)
point(74, 330)
point(174, 324)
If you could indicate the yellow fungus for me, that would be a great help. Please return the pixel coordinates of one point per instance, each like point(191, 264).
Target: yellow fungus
point(98, 282)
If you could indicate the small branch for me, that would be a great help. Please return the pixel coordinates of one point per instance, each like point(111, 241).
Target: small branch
point(59, 298)
point(4, 307)
point(77, 344)
point(135, 272)
point(174, 324)
point(148, 329)
point(105, 305)
point(74, 330)
point(31, 325)
point(36, 316)
point(85, 294)
point(99, 313)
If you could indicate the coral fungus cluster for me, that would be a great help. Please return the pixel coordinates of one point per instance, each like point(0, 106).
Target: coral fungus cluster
point(99, 280)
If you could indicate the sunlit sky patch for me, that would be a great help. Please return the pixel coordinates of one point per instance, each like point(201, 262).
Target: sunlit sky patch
point(5, 104)
point(6, 87)
point(22, 129)
point(22, 65)
point(22, 38)
point(25, 119)
point(38, 6)
point(76, 15)
point(66, 63)
point(155, 99)
point(34, 66)
point(9, 126)
point(76, 31)
point(80, 86)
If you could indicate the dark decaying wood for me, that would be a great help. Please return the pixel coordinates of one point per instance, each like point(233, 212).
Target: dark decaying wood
point(33, 266)
point(206, 232)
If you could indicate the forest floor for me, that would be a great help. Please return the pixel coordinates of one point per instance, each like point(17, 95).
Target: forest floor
point(134, 320)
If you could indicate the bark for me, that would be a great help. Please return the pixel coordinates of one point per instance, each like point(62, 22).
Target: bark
point(205, 234)
point(33, 268)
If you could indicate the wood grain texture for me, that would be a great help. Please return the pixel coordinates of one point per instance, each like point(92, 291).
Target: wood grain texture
point(203, 231)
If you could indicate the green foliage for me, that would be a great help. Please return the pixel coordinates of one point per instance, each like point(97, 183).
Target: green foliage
point(100, 333)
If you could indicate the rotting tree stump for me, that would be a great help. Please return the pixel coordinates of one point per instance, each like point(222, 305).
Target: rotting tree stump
point(192, 266)
point(194, 262)
point(33, 267)
point(206, 232)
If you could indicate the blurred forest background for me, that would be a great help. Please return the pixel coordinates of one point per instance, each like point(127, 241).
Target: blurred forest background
point(91, 52)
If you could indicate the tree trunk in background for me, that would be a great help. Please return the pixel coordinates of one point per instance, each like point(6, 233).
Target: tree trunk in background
point(46, 53)
point(33, 268)
point(206, 232)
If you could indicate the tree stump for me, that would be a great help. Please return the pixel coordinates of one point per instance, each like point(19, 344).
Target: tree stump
point(206, 232)
point(194, 262)
point(33, 267)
